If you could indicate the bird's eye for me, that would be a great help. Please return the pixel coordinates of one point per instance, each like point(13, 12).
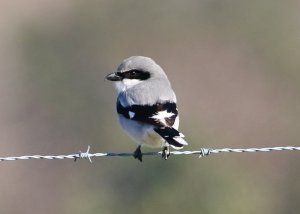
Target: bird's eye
point(133, 73)
point(136, 74)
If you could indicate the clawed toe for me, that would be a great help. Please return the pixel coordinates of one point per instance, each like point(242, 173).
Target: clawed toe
point(138, 154)
point(165, 152)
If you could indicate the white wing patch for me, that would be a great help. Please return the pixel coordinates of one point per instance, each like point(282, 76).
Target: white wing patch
point(161, 115)
point(131, 114)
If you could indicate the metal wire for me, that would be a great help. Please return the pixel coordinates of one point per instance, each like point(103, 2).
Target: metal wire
point(202, 152)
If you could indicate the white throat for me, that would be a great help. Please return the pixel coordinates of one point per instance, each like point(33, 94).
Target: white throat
point(126, 84)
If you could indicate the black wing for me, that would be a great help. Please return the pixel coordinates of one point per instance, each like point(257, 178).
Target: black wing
point(160, 114)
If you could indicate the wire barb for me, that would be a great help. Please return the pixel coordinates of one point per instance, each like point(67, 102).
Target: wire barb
point(202, 153)
point(84, 155)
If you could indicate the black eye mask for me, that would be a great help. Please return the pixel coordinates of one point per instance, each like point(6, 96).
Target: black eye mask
point(134, 74)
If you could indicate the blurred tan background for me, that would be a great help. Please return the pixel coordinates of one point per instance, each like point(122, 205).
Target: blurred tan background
point(234, 66)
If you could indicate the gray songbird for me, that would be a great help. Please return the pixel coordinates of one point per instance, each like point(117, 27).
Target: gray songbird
point(146, 105)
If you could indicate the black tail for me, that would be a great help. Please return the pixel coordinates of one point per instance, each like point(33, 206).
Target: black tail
point(172, 136)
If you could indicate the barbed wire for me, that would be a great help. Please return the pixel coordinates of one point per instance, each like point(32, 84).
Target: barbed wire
point(202, 152)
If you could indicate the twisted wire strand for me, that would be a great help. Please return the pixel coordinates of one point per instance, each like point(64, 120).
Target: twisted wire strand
point(202, 152)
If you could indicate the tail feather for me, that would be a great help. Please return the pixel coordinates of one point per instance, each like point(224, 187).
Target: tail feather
point(172, 136)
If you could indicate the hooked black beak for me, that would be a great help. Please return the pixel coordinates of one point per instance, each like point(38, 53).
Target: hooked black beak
point(113, 77)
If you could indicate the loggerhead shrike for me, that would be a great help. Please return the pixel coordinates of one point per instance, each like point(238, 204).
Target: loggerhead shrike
point(146, 105)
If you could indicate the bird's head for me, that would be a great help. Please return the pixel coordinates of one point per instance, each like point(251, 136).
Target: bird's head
point(135, 70)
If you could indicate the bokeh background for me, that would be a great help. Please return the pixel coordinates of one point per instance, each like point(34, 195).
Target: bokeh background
point(233, 64)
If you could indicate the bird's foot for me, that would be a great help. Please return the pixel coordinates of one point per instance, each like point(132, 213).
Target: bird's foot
point(138, 153)
point(166, 152)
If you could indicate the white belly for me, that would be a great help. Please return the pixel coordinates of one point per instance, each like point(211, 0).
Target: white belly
point(142, 134)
